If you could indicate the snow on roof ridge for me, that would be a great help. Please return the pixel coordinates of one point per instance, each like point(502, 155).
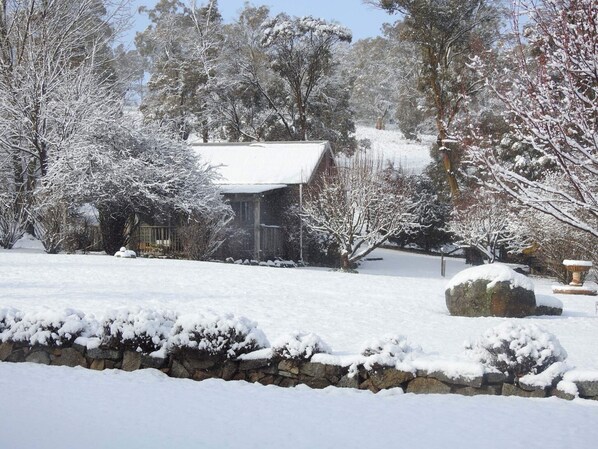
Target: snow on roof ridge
point(260, 143)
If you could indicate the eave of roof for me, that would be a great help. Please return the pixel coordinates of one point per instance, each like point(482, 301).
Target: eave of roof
point(249, 188)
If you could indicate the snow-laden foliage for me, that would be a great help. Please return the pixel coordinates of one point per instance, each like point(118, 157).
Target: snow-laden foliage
point(8, 318)
point(488, 223)
point(389, 351)
point(141, 330)
point(431, 213)
point(137, 329)
point(555, 241)
point(281, 81)
point(66, 139)
point(300, 51)
point(284, 28)
point(46, 327)
point(299, 346)
point(549, 96)
point(385, 87)
point(216, 335)
point(124, 168)
point(180, 48)
point(54, 59)
point(448, 34)
point(517, 349)
point(360, 206)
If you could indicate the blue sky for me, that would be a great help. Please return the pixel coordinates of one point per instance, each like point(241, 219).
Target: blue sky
point(363, 20)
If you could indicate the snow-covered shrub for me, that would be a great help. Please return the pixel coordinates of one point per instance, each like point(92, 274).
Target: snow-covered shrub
point(203, 234)
point(8, 318)
point(216, 335)
point(299, 346)
point(516, 349)
point(137, 329)
point(50, 224)
point(46, 327)
point(13, 220)
point(389, 351)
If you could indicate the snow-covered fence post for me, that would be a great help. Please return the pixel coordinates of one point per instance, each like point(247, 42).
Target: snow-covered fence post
point(442, 264)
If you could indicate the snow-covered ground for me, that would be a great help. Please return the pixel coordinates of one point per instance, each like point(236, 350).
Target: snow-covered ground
point(56, 407)
point(390, 145)
point(51, 407)
point(401, 294)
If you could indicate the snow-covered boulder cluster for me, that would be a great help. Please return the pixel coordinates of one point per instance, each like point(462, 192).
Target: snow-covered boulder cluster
point(490, 290)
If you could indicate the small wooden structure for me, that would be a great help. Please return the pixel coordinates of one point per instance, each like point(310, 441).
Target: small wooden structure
point(261, 180)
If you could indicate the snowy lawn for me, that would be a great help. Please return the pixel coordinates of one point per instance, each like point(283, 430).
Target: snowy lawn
point(51, 407)
point(402, 294)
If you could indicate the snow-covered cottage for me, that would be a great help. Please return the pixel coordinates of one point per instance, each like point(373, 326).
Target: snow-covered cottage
point(261, 180)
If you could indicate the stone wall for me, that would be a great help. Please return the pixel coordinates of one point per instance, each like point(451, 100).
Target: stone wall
point(283, 372)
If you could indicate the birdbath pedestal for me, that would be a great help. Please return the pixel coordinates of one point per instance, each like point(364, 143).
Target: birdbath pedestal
point(576, 268)
point(576, 287)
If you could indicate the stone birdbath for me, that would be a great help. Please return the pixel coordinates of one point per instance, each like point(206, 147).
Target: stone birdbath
point(576, 286)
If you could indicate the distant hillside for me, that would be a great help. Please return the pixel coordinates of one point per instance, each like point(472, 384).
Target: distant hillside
point(392, 146)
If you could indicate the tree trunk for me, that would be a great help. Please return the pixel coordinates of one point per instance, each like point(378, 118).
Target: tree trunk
point(345, 263)
point(113, 225)
point(447, 162)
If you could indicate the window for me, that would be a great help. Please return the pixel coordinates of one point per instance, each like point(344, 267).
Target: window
point(243, 212)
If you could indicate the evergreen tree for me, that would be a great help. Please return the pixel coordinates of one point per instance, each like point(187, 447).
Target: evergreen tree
point(180, 48)
point(448, 33)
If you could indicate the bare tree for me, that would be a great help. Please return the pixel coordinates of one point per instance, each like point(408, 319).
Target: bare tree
point(359, 206)
point(488, 223)
point(551, 107)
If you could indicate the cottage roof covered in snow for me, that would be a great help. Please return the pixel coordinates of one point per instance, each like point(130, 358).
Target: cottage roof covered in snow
point(262, 166)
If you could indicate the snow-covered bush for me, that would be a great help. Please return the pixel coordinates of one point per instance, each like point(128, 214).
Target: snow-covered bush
point(516, 349)
point(299, 346)
point(389, 351)
point(8, 318)
point(141, 330)
point(46, 328)
point(216, 335)
point(13, 221)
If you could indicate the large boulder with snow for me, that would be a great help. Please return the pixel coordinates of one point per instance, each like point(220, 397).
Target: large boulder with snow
point(490, 290)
